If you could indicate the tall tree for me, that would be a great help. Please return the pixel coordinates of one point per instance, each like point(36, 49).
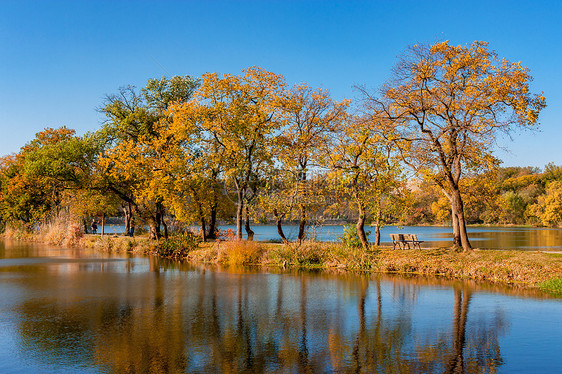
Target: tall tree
point(137, 140)
point(238, 117)
point(449, 103)
point(33, 180)
point(309, 117)
point(196, 169)
point(365, 170)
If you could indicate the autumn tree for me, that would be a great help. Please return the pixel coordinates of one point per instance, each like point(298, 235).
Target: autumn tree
point(237, 118)
point(194, 193)
point(552, 172)
point(33, 180)
point(449, 103)
point(66, 162)
point(70, 165)
point(22, 198)
point(136, 145)
point(548, 208)
point(309, 117)
point(364, 169)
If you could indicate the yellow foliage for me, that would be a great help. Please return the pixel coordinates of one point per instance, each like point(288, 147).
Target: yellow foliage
point(548, 208)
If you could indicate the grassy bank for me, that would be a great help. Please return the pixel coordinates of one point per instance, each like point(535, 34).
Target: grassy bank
point(520, 268)
point(511, 267)
point(552, 286)
point(517, 268)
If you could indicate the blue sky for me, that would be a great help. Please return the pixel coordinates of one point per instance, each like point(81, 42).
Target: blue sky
point(59, 59)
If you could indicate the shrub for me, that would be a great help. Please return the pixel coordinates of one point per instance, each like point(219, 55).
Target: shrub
point(305, 254)
point(177, 245)
point(350, 238)
point(73, 235)
point(241, 252)
point(17, 231)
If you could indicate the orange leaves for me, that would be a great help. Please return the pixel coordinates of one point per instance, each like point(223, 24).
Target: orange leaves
point(452, 99)
point(48, 136)
point(308, 116)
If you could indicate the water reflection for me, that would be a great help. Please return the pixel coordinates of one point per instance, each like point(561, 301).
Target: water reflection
point(147, 315)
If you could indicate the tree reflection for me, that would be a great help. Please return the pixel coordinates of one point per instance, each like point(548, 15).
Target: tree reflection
point(208, 321)
point(456, 362)
point(469, 347)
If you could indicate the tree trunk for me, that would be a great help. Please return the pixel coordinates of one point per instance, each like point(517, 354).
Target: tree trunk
point(203, 229)
point(127, 211)
point(455, 225)
point(278, 219)
point(154, 233)
point(457, 214)
point(159, 222)
point(458, 217)
point(212, 233)
point(304, 195)
point(361, 229)
point(165, 227)
point(202, 220)
point(160, 215)
point(302, 224)
point(378, 230)
point(239, 215)
point(102, 224)
point(247, 225)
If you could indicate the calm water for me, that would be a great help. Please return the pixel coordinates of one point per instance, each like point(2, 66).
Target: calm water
point(521, 238)
point(75, 311)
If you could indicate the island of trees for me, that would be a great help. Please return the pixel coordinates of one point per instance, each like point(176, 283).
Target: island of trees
point(248, 148)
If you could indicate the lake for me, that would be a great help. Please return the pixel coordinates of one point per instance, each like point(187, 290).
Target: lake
point(81, 311)
point(521, 238)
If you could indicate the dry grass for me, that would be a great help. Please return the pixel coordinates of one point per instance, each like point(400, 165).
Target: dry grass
point(54, 231)
point(310, 254)
point(489, 265)
point(508, 267)
point(117, 244)
point(240, 252)
point(73, 235)
point(17, 231)
point(62, 229)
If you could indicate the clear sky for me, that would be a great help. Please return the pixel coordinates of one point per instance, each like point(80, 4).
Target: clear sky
point(58, 59)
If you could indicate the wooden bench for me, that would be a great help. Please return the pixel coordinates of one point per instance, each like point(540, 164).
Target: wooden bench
point(404, 240)
point(397, 240)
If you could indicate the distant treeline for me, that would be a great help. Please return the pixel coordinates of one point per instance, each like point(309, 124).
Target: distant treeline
point(249, 148)
point(504, 196)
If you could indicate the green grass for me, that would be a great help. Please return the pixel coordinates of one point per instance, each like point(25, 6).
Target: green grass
point(552, 286)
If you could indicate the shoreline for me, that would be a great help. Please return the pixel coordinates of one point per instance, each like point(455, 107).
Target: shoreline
point(509, 267)
point(530, 269)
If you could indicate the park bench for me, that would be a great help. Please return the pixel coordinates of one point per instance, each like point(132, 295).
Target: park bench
point(404, 240)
